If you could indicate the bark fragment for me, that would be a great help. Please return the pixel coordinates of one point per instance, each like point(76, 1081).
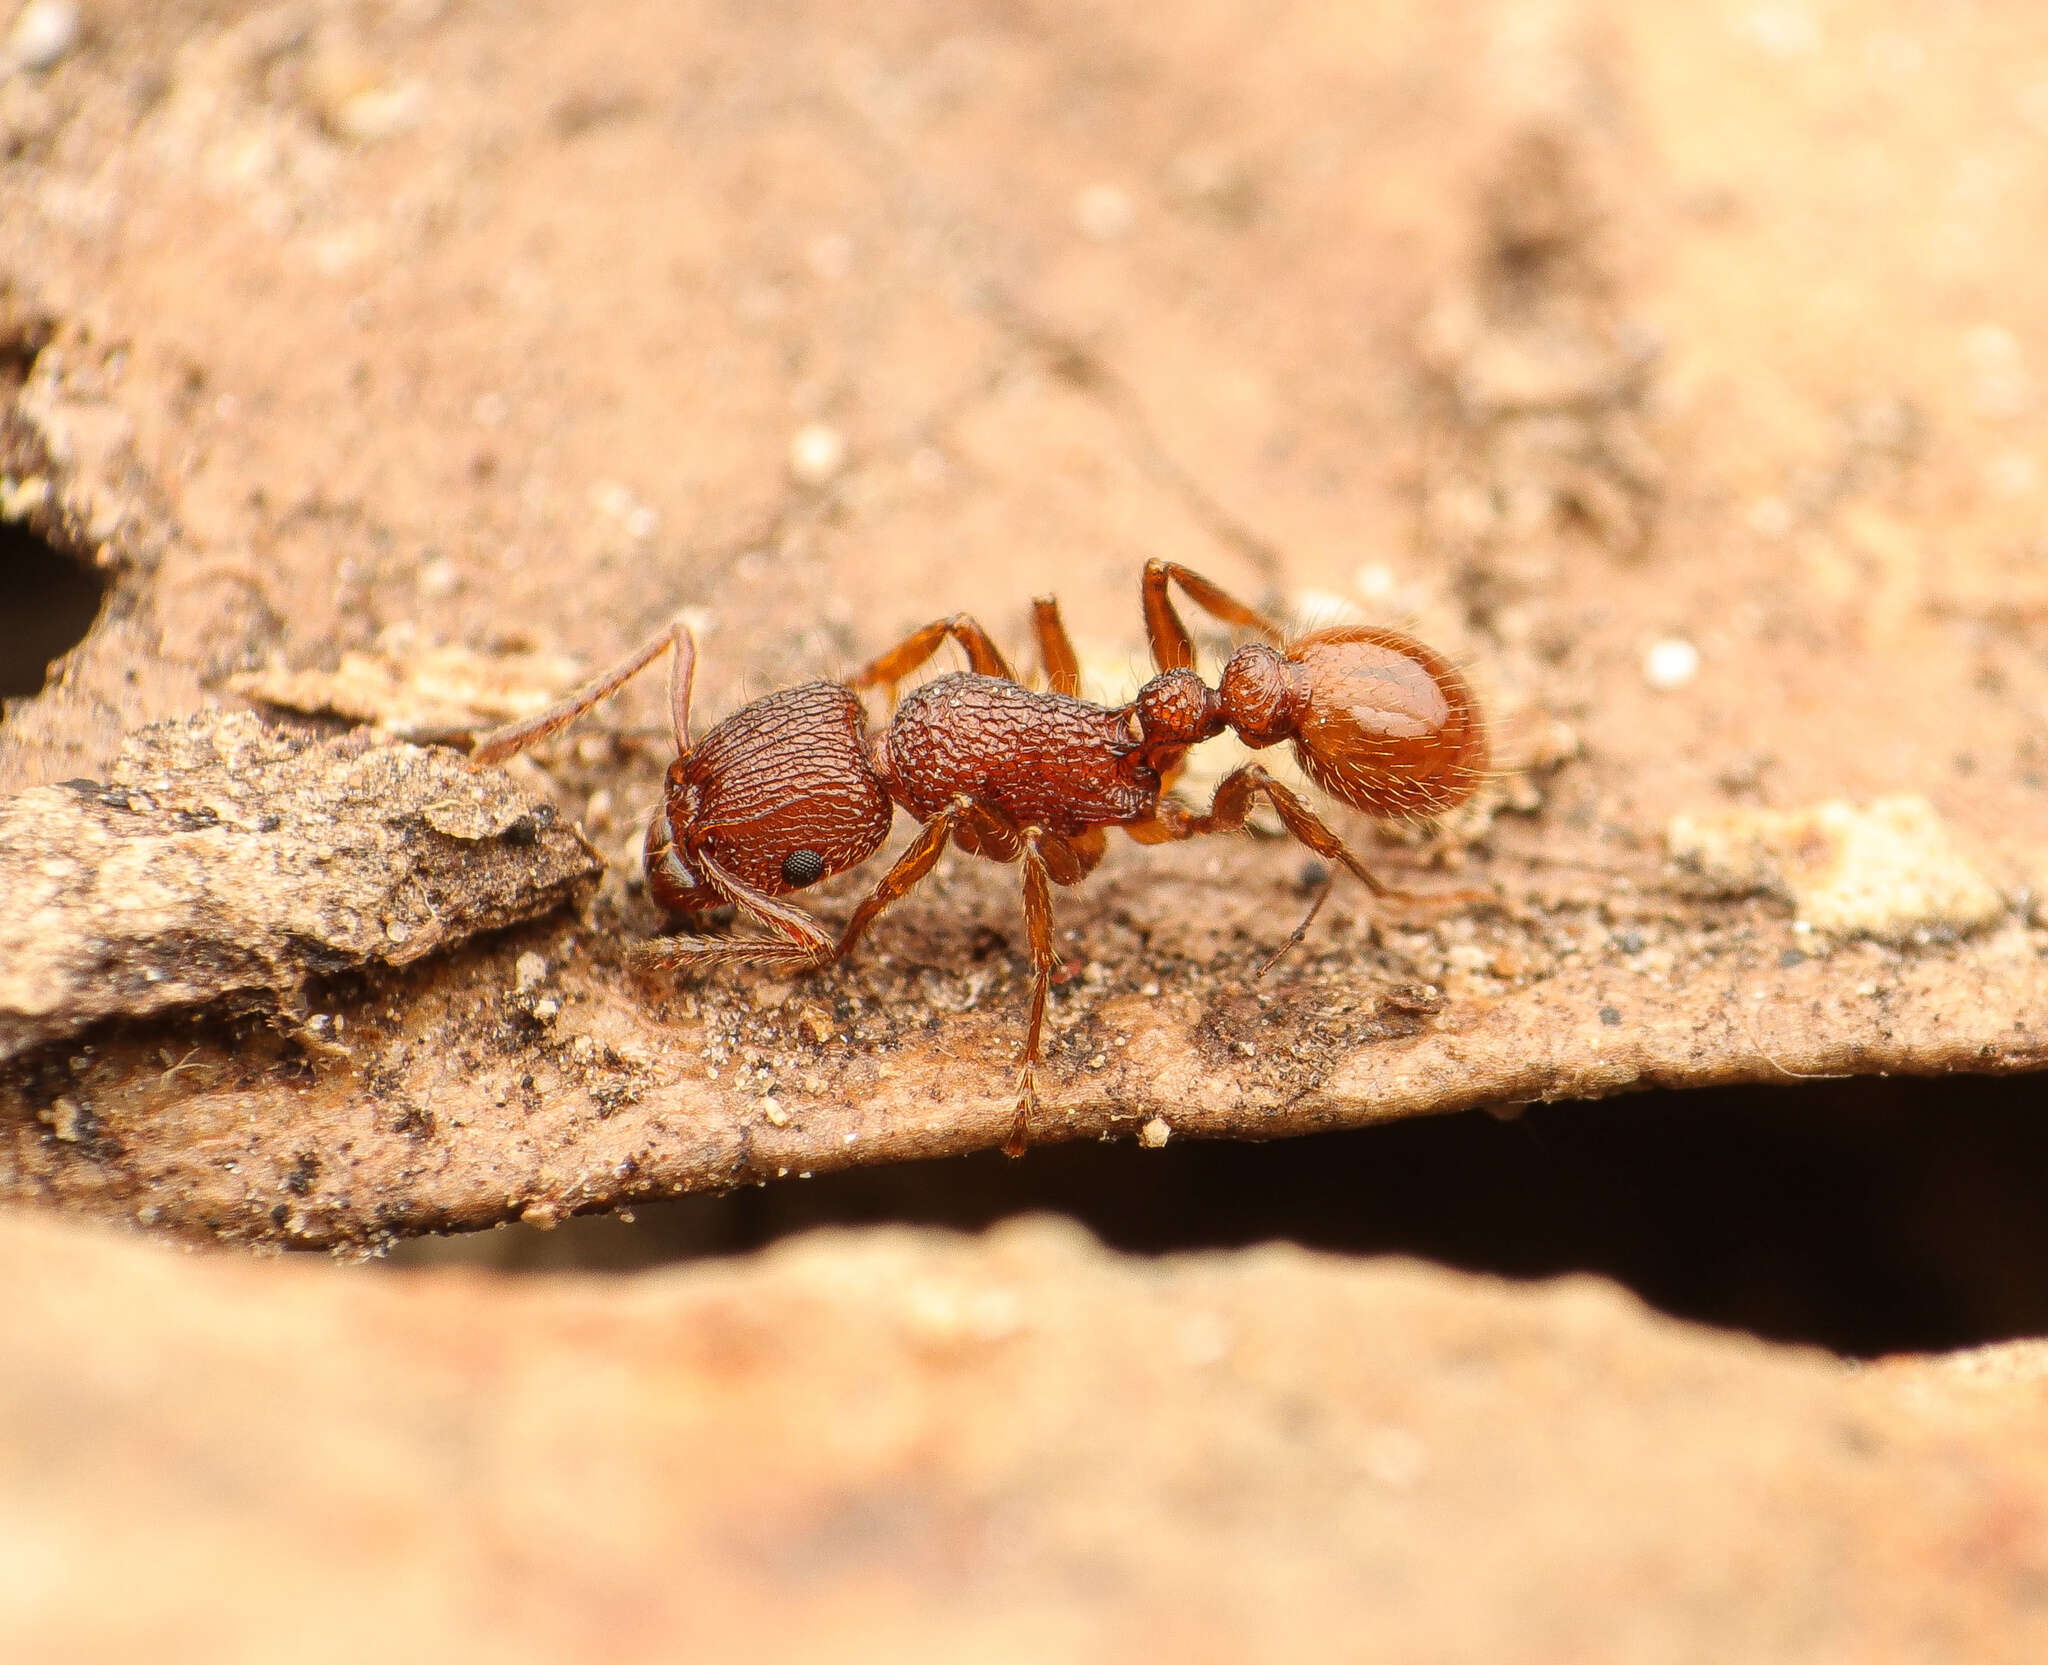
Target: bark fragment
point(223, 863)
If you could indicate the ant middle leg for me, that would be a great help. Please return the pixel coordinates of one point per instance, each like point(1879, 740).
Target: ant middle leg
point(1173, 649)
point(888, 669)
point(1044, 958)
point(909, 868)
point(510, 738)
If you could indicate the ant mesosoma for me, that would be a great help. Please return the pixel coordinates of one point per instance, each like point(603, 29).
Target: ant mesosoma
point(794, 788)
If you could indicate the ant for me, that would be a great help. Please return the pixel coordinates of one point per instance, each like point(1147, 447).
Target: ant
point(794, 787)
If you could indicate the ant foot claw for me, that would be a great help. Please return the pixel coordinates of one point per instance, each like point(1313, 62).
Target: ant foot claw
point(1020, 1127)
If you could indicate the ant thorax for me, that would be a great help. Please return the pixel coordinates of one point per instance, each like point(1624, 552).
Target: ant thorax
point(1042, 760)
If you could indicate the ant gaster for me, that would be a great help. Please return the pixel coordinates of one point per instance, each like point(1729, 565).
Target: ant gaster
point(794, 787)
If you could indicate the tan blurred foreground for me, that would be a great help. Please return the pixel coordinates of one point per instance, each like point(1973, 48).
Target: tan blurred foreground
point(893, 1446)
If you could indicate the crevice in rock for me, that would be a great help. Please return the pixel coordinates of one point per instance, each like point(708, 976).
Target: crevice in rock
point(1866, 1216)
point(48, 601)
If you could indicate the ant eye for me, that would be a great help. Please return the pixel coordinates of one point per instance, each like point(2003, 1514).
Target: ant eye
point(802, 867)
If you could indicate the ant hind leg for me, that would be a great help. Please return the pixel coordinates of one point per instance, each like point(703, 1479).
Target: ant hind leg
point(1044, 958)
point(1230, 807)
point(1228, 811)
point(1055, 648)
point(1173, 649)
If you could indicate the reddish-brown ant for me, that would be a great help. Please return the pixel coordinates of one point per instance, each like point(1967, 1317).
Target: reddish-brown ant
point(793, 787)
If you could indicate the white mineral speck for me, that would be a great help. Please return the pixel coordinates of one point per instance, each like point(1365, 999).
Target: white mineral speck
point(44, 32)
point(1671, 663)
point(1769, 517)
point(1395, 1457)
point(66, 1120)
point(529, 971)
point(372, 113)
point(1375, 581)
point(2012, 474)
point(1154, 1134)
point(439, 578)
point(831, 256)
point(1103, 212)
point(1782, 31)
point(816, 454)
point(2000, 385)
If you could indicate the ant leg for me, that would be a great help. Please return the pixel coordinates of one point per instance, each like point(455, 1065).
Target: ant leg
point(910, 867)
point(983, 656)
point(1055, 648)
point(502, 742)
point(1228, 811)
point(802, 944)
point(1038, 928)
point(1173, 649)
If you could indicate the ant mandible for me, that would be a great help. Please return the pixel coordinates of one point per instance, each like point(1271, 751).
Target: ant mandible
point(794, 787)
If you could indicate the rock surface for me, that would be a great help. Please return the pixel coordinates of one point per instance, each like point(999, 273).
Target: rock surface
point(220, 862)
point(887, 1445)
point(322, 326)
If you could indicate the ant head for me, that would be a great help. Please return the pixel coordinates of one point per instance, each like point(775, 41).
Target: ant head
point(1177, 708)
point(1264, 695)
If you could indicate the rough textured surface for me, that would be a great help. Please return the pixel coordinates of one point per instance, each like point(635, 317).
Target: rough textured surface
point(416, 691)
point(1020, 1448)
point(1888, 870)
point(222, 863)
point(525, 328)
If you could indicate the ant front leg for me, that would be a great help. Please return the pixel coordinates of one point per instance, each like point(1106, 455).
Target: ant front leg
point(804, 945)
point(503, 742)
point(800, 944)
point(888, 669)
point(1173, 649)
